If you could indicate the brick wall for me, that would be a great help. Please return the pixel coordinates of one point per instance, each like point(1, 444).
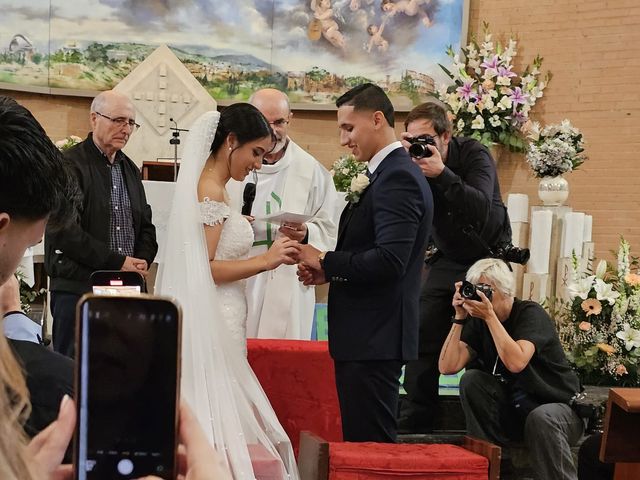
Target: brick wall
point(589, 45)
point(590, 48)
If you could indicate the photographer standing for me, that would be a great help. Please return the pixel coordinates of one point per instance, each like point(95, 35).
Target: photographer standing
point(524, 384)
point(469, 220)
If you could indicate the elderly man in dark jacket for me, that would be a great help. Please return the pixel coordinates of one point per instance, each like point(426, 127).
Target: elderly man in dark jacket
point(114, 231)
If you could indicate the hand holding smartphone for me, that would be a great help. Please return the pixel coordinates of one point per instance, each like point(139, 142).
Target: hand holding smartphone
point(127, 387)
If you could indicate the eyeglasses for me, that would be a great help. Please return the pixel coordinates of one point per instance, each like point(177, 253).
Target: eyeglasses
point(121, 121)
point(281, 122)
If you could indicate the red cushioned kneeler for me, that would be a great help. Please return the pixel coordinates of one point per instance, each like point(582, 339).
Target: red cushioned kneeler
point(374, 461)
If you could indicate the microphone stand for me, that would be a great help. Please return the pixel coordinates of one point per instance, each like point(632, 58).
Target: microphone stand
point(175, 141)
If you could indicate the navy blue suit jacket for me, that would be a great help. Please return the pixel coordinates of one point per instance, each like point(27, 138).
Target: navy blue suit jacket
point(375, 271)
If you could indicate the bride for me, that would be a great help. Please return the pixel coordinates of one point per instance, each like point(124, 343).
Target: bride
point(204, 268)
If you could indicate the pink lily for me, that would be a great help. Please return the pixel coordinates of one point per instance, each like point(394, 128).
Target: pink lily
point(466, 90)
point(518, 97)
point(491, 66)
point(506, 72)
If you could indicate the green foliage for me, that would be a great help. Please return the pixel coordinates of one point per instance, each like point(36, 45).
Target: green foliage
point(28, 295)
point(96, 53)
point(317, 74)
point(355, 81)
point(344, 170)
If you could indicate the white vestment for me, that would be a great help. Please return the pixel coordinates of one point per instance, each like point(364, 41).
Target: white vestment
point(279, 306)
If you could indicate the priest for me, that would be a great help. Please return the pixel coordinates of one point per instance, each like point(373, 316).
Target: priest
point(290, 181)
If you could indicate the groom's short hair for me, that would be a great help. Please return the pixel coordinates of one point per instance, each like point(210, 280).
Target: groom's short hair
point(34, 181)
point(368, 97)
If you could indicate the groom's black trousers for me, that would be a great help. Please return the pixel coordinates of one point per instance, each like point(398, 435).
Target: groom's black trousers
point(368, 394)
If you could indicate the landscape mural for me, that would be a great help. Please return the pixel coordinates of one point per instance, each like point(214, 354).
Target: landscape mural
point(312, 49)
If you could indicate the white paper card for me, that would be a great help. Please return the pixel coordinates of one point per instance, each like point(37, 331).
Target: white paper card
point(285, 217)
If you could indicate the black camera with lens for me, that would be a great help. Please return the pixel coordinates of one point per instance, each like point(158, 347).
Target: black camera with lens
point(590, 409)
point(418, 147)
point(470, 291)
point(512, 254)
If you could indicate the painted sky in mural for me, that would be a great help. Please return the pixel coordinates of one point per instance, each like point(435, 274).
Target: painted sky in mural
point(318, 47)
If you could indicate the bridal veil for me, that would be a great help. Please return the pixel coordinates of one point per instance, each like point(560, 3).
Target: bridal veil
point(217, 380)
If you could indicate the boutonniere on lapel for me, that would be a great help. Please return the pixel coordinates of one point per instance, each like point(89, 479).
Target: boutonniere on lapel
point(358, 185)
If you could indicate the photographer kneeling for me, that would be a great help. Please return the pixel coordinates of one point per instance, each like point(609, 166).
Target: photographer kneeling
point(524, 384)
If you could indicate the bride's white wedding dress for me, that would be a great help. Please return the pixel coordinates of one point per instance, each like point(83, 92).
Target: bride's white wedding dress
point(235, 242)
point(217, 381)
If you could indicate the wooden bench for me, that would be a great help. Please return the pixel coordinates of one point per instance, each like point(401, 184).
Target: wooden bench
point(620, 438)
point(322, 460)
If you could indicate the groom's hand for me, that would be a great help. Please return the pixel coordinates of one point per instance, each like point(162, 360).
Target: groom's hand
point(309, 256)
point(310, 276)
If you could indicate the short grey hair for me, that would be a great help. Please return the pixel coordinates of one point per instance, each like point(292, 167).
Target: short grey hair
point(98, 103)
point(495, 270)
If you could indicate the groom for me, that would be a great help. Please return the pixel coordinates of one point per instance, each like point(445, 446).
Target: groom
point(375, 270)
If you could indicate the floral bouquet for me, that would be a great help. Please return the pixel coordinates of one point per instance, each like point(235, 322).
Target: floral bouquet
point(349, 176)
point(490, 102)
point(601, 328)
point(66, 143)
point(554, 150)
point(28, 295)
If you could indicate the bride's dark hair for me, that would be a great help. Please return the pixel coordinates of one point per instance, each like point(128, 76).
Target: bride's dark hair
point(245, 121)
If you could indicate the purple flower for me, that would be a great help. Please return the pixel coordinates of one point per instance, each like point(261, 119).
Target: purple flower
point(506, 72)
point(491, 66)
point(518, 118)
point(518, 97)
point(466, 90)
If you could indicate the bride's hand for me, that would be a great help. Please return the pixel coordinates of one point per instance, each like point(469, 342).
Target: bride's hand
point(283, 250)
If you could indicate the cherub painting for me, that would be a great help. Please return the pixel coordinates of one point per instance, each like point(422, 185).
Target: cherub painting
point(377, 39)
point(354, 5)
point(323, 12)
point(408, 7)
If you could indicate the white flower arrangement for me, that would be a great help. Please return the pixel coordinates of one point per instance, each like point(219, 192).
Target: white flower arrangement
point(349, 177)
point(68, 142)
point(491, 102)
point(600, 328)
point(554, 149)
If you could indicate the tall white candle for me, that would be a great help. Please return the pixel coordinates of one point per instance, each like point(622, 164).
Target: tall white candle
point(588, 227)
point(518, 207)
point(540, 244)
point(572, 234)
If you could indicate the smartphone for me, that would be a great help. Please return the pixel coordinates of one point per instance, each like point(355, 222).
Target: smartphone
point(127, 387)
point(116, 282)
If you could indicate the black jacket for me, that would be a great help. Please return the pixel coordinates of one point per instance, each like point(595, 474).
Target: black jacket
point(375, 270)
point(466, 193)
point(72, 254)
point(49, 378)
